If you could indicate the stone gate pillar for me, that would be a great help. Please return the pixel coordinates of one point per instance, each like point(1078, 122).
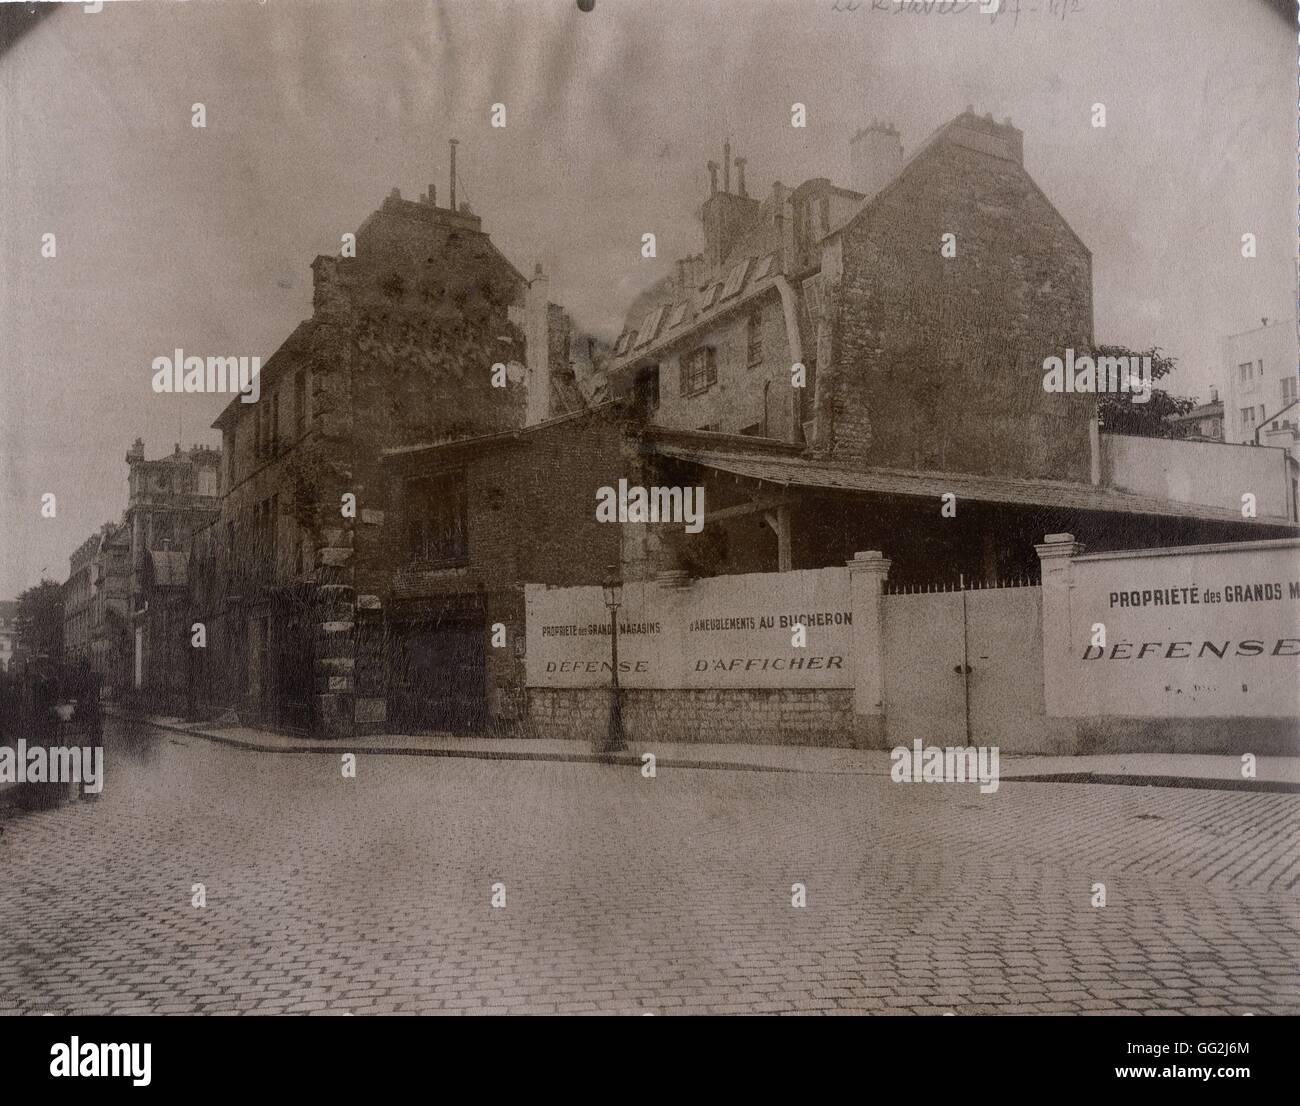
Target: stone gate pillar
point(867, 575)
point(1055, 556)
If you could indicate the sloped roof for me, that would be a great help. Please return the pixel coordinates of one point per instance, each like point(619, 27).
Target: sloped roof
point(800, 472)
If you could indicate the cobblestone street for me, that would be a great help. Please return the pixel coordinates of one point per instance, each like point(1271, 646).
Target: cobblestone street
point(631, 895)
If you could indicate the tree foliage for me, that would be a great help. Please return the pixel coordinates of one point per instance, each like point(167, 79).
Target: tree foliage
point(40, 619)
point(1117, 413)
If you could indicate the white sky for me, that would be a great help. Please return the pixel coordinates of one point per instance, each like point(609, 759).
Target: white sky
point(172, 236)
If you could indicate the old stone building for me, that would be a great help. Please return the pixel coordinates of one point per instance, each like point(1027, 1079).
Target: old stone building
point(424, 332)
point(836, 369)
point(916, 309)
point(97, 606)
point(78, 601)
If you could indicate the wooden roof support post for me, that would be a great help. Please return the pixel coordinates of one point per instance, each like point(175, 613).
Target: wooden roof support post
point(779, 520)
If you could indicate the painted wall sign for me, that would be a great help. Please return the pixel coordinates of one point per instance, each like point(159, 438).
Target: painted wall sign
point(1211, 633)
point(725, 631)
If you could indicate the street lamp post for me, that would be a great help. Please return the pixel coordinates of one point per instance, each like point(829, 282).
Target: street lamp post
point(613, 589)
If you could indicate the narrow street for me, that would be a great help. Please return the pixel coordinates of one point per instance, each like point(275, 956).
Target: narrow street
point(627, 894)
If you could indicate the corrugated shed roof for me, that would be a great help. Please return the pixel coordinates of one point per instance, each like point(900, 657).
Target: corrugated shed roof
point(798, 472)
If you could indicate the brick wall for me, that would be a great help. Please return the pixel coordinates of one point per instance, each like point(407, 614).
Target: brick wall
point(531, 517)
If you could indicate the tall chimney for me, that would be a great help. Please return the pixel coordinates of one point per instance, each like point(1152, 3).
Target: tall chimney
point(740, 170)
point(778, 222)
point(726, 166)
point(713, 178)
point(433, 196)
point(452, 143)
point(537, 404)
point(875, 155)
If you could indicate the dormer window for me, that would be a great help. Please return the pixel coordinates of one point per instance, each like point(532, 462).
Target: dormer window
point(650, 327)
point(736, 279)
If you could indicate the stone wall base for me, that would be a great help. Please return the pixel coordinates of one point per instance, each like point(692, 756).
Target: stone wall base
point(1228, 736)
point(754, 716)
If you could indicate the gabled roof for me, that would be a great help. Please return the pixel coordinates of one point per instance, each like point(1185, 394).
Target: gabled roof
point(929, 147)
point(498, 438)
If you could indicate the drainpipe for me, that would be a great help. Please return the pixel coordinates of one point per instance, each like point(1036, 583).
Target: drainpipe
point(795, 343)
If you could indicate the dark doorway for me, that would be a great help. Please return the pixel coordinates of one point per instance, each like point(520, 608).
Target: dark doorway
point(293, 664)
point(439, 681)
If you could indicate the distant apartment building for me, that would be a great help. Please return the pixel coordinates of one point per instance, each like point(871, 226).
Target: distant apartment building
point(1259, 394)
point(78, 601)
point(168, 500)
point(1203, 423)
point(8, 631)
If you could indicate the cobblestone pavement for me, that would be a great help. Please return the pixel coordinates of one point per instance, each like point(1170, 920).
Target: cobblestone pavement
point(631, 895)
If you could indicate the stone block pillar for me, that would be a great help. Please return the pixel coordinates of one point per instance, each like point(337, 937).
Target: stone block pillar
point(371, 669)
point(867, 575)
point(335, 660)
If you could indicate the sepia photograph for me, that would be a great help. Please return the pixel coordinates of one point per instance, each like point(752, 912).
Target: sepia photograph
point(647, 508)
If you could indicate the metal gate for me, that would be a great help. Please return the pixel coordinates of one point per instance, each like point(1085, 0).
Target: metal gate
point(293, 667)
point(964, 665)
point(438, 665)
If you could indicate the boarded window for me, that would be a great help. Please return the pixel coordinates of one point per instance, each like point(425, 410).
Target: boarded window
point(699, 370)
point(436, 512)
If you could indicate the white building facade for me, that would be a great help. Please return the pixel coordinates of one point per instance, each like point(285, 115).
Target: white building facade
point(1259, 393)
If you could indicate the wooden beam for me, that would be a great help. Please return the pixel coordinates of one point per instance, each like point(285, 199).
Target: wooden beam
point(769, 504)
point(780, 523)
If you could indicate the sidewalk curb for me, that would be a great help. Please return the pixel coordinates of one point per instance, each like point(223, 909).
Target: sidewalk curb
point(629, 759)
point(1191, 783)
